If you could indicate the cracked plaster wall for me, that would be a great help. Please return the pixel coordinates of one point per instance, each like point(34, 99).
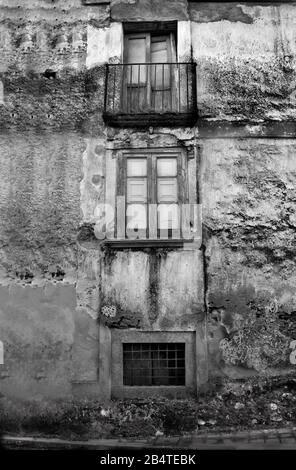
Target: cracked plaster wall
point(53, 164)
point(49, 105)
point(245, 58)
point(248, 197)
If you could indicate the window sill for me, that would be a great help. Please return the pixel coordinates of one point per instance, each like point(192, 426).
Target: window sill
point(95, 2)
point(146, 243)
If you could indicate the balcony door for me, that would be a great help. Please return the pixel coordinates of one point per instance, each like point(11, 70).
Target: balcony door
point(149, 77)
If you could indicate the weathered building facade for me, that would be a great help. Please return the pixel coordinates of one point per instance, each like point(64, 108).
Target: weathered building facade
point(111, 111)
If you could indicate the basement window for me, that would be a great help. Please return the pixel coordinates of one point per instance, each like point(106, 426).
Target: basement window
point(152, 364)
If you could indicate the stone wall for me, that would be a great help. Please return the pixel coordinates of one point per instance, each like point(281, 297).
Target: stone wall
point(49, 106)
point(245, 58)
point(249, 218)
point(56, 161)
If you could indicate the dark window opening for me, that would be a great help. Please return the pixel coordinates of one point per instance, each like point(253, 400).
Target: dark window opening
point(148, 364)
point(151, 26)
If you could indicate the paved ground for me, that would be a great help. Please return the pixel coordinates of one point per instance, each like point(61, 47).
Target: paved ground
point(263, 439)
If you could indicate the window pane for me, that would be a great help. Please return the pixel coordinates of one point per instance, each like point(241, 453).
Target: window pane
point(136, 74)
point(136, 53)
point(137, 190)
point(167, 190)
point(136, 167)
point(136, 215)
point(159, 49)
point(168, 216)
point(136, 50)
point(167, 167)
point(160, 77)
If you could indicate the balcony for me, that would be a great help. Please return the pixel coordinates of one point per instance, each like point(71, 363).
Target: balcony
point(150, 94)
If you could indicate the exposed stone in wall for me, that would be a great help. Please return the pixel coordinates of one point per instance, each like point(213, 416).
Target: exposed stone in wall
point(125, 284)
point(256, 341)
point(37, 330)
point(202, 12)
point(159, 138)
point(88, 286)
point(40, 205)
point(40, 33)
point(104, 44)
point(145, 292)
point(43, 66)
point(53, 169)
point(250, 236)
point(68, 101)
point(264, 91)
point(92, 187)
point(149, 10)
point(245, 69)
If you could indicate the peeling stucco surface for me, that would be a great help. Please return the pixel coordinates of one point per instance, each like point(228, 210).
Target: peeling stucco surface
point(149, 10)
point(249, 215)
point(246, 70)
point(37, 328)
point(56, 153)
point(40, 203)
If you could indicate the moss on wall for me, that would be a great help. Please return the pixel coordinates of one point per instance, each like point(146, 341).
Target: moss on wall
point(246, 88)
point(69, 100)
point(40, 204)
point(52, 109)
point(249, 209)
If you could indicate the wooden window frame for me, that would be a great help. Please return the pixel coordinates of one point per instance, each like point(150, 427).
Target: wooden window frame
point(121, 190)
point(172, 58)
point(147, 35)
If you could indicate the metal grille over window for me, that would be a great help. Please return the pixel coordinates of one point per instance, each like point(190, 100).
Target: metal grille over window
point(148, 364)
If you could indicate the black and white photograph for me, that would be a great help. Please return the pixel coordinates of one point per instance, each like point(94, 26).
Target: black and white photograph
point(147, 231)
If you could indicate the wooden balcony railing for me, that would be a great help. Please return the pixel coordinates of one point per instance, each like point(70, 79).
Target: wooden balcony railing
point(138, 95)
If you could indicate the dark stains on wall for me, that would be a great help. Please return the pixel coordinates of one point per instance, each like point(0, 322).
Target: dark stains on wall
point(59, 101)
point(245, 128)
point(120, 291)
point(86, 233)
point(248, 329)
point(222, 304)
point(287, 323)
point(202, 12)
point(149, 10)
point(245, 90)
point(153, 289)
point(39, 218)
point(37, 330)
point(109, 257)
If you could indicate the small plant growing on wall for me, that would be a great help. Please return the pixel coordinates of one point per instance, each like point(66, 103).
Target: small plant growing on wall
point(109, 311)
point(115, 317)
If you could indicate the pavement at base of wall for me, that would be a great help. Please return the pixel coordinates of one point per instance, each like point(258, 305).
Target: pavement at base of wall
point(284, 438)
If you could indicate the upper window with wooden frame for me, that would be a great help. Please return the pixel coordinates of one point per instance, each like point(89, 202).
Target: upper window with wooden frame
point(152, 189)
point(150, 87)
point(150, 76)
